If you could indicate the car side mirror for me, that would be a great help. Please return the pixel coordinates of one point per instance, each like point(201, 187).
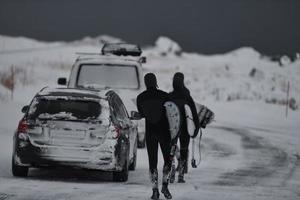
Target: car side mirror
point(62, 81)
point(142, 60)
point(134, 115)
point(25, 109)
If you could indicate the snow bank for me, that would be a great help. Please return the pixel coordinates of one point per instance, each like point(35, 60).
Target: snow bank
point(242, 74)
point(12, 44)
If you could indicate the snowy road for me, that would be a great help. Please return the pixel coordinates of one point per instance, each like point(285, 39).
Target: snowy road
point(237, 163)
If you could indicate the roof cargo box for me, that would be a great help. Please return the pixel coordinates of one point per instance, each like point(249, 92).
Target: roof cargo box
point(121, 49)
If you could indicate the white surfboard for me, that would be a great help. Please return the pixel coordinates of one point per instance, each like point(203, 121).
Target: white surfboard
point(189, 120)
point(173, 116)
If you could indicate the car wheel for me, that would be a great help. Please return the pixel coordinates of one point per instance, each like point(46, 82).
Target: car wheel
point(132, 165)
point(18, 171)
point(141, 143)
point(121, 176)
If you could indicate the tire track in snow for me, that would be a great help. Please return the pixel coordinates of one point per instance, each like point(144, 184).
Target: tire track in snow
point(266, 164)
point(4, 196)
point(292, 170)
point(216, 148)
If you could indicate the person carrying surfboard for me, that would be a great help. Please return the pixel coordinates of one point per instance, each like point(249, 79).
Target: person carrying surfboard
point(181, 97)
point(150, 104)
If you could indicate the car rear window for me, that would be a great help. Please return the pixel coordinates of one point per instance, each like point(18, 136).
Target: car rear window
point(111, 76)
point(64, 109)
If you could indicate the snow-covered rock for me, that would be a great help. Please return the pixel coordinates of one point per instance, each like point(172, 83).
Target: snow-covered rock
point(245, 52)
point(165, 46)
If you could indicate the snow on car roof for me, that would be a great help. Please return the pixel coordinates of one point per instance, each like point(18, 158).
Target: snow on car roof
point(74, 92)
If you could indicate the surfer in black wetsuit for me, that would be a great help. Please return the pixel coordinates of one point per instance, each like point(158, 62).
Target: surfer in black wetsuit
point(150, 106)
point(181, 96)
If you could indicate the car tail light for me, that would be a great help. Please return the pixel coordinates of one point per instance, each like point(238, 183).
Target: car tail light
point(22, 127)
point(118, 131)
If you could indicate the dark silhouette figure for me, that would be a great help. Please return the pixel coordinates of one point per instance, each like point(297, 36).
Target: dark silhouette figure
point(181, 96)
point(150, 106)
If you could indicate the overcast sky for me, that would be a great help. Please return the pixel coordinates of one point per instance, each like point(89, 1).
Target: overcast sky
point(206, 26)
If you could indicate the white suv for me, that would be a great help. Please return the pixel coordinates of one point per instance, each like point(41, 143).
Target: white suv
point(118, 67)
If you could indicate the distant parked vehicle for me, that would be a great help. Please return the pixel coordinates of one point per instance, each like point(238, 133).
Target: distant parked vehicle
point(117, 67)
point(76, 128)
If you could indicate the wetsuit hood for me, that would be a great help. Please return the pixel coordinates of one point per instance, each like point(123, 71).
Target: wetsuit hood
point(150, 81)
point(178, 81)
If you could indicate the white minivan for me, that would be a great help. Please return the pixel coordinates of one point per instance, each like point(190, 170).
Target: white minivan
point(117, 67)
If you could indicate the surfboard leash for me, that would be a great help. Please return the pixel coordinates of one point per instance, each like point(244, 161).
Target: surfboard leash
point(193, 161)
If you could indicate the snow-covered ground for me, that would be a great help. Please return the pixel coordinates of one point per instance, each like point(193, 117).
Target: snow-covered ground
point(251, 152)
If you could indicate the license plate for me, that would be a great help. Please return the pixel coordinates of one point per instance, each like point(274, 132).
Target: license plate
point(68, 134)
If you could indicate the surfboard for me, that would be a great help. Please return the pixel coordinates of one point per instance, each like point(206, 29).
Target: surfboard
point(189, 120)
point(173, 116)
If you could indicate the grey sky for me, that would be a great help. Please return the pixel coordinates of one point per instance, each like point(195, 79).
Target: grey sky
point(207, 26)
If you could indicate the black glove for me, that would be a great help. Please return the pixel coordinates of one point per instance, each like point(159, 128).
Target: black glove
point(203, 123)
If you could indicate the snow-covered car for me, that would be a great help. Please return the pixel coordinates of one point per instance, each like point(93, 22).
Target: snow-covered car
point(77, 128)
point(119, 67)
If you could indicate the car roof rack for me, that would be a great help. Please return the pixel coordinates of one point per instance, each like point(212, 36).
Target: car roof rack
point(121, 49)
point(87, 53)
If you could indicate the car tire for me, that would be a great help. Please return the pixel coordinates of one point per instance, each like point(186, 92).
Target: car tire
point(18, 171)
point(121, 176)
point(141, 144)
point(132, 165)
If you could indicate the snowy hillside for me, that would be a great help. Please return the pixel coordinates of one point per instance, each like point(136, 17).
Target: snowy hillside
point(15, 44)
point(243, 74)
